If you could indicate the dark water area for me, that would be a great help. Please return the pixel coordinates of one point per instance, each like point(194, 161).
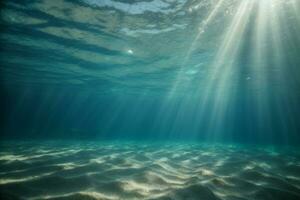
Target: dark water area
point(150, 99)
point(66, 113)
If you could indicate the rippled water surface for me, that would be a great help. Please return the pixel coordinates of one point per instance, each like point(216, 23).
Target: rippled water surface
point(117, 46)
point(57, 170)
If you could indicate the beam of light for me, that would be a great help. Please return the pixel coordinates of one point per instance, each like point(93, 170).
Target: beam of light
point(278, 17)
point(219, 81)
point(259, 61)
point(296, 5)
point(223, 68)
point(203, 26)
point(220, 85)
point(269, 63)
point(181, 104)
point(259, 25)
point(266, 65)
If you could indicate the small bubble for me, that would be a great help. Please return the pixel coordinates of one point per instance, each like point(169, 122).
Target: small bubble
point(129, 51)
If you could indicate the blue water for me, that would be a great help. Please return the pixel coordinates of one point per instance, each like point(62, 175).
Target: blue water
point(150, 99)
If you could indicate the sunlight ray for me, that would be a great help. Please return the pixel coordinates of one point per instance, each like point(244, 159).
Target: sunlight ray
point(223, 67)
point(203, 26)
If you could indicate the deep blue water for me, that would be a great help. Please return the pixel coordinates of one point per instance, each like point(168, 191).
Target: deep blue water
point(150, 99)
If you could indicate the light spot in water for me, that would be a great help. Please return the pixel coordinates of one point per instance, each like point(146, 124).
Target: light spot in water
point(191, 72)
point(129, 51)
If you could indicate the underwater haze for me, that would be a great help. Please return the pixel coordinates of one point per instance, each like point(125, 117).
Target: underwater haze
point(150, 99)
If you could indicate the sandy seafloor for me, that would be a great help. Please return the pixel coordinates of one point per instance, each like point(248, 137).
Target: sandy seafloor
point(122, 170)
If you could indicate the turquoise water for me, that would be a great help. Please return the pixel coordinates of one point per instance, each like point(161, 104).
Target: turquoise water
point(150, 99)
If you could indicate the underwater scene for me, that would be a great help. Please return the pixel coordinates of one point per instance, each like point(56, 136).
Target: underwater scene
point(150, 99)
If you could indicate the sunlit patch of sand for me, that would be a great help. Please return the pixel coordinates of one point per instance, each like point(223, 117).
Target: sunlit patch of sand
point(205, 172)
point(249, 167)
point(264, 165)
point(97, 160)
point(85, 195)
point(17, 180)
point(146, 172)
point(68, 165)
point(98, 195)
point(142, 188)
point(10, 158)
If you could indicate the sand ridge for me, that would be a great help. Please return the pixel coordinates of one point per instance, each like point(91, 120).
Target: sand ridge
point(111, 171)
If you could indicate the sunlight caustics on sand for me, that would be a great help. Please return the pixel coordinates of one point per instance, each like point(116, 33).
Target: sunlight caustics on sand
point(148, 171)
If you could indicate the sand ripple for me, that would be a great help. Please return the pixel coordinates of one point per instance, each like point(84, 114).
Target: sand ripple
point(110, 171)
